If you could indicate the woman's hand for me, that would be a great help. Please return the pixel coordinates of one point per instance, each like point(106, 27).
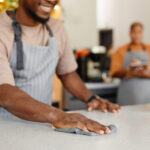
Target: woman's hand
point(139, 72)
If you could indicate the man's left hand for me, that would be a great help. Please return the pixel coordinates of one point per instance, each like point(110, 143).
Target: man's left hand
point(104, 106)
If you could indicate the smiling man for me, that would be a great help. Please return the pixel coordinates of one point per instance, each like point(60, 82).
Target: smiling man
point(33, 47)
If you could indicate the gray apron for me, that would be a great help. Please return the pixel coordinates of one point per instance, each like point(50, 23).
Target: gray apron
point(34, 66)
point(137, 90)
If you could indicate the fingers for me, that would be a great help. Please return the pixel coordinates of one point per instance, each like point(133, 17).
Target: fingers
point(80, 122)
point(80, 125)
point(70, 124)
point(93, 105)
point(86, 124)
point(114, 108)
point(103, 107)
point(90, 109)
point(96, 127)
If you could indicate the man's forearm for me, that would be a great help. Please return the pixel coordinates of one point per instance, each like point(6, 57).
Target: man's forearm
point(23, 106)
point(73, 83)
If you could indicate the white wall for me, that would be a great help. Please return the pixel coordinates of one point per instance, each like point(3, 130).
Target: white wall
point(80, 22)
point(119, 14)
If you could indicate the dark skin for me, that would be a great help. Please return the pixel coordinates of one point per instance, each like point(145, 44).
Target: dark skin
point(136, 36)
point(22, 105)
point(74, 85)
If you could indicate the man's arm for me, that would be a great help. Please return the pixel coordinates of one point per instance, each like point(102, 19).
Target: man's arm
point(72, 81)
point(23, 106)
point(75, 85)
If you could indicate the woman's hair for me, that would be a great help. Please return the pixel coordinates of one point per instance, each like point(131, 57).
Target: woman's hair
point(135, 24)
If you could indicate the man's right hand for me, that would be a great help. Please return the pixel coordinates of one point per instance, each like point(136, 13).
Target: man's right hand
point(23, 106)
point(75, 120)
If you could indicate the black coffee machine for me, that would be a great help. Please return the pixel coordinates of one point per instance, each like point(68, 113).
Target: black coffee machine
point(93, 65)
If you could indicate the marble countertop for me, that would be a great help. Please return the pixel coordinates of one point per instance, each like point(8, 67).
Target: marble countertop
point(133, 133)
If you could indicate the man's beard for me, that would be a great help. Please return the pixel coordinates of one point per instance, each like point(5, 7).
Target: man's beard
point(36, 17)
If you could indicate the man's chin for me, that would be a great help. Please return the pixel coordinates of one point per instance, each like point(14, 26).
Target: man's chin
point(37, 18)
point(42, 20)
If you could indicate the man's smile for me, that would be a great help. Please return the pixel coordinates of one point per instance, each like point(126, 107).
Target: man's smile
point(45, 8)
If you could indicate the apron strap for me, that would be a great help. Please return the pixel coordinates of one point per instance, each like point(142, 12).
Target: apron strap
point(49, 30)
point(18, 33)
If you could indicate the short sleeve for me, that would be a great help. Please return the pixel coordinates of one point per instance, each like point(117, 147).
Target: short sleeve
point(6, 75)
point(67, 62)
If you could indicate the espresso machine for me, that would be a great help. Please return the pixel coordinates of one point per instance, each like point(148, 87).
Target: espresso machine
point(93, 66)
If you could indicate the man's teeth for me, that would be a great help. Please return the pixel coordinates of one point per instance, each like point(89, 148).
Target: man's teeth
point(46, 9)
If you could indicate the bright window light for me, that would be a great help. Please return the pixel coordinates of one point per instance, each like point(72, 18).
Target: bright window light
point(1, 0)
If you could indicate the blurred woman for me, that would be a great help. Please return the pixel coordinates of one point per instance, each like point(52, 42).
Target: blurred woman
point(131, 63)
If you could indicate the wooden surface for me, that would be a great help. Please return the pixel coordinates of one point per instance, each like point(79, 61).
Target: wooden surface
point(57, 92)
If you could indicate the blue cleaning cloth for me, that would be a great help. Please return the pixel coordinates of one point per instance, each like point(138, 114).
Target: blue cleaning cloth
point(113, 129)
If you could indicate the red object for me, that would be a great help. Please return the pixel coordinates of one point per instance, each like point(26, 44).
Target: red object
point(83, 52)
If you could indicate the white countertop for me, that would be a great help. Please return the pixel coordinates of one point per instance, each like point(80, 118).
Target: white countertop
point(101, 85)
point(133, 133)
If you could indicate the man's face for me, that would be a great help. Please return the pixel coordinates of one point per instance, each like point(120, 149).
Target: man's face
point(136, 35)
point(39, 9)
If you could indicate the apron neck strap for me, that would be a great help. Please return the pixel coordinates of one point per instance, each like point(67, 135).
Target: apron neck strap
point(17, 27)
point(18, 32)
point(49, 30)
point(142, 45)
